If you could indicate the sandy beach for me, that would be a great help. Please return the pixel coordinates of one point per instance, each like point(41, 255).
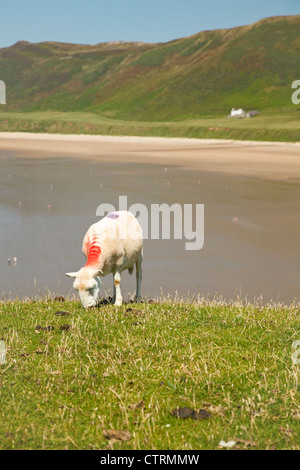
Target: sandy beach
point(268, 160)
point(51, 186)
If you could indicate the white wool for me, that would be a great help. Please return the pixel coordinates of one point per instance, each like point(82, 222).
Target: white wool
point(120, 238)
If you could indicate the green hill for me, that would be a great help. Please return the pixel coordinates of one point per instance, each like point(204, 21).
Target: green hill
point(205, 74)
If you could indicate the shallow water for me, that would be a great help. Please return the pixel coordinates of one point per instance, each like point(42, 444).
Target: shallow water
point(251, 228)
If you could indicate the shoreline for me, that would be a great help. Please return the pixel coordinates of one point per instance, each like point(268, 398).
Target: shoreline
point(267, 160)
point(136, 139)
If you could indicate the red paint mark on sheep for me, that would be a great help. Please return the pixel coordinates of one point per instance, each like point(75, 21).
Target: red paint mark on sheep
point(93, 252)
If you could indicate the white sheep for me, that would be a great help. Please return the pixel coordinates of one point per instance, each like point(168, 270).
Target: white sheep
point(111, 246)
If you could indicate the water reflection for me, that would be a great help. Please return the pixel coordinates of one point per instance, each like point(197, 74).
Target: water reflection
point(251, 227)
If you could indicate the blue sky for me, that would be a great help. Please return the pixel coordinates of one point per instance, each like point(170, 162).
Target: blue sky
point(93, 21)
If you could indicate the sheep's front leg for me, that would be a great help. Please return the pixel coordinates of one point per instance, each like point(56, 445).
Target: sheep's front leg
point(114, 295)
point(117, 289)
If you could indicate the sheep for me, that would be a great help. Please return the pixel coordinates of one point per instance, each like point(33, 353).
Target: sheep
point(112, 245)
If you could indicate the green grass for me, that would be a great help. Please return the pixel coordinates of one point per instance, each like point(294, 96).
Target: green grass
point(284, 127)
point(61, 389)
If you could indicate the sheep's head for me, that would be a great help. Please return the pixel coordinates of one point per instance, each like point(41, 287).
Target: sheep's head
point(87, 285)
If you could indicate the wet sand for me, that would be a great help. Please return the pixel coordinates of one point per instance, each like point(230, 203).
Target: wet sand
point(51, 186)
point(272, 160)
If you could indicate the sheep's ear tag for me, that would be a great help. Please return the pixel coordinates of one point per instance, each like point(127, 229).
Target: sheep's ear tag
point(100, 272)
point(72, 275)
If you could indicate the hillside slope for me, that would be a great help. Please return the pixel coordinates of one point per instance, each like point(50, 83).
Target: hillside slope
point(208, 73)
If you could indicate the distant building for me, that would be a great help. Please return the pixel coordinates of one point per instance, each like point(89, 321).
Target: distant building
point(252, 113)
point(240, 113)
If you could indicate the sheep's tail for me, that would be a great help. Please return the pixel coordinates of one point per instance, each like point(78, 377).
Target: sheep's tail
point(130, 270)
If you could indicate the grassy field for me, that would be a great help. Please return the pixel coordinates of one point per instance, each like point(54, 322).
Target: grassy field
point(69, 379)
point(284, 127)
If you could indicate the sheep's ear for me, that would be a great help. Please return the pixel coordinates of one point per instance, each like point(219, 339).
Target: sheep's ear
point(72, 275)
point(99, 273)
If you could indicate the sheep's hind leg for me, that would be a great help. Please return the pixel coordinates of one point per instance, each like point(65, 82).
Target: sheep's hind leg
point(117, 289)
point(138, 265)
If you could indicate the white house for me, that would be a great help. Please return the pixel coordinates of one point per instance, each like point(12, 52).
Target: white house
point(238, 113)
